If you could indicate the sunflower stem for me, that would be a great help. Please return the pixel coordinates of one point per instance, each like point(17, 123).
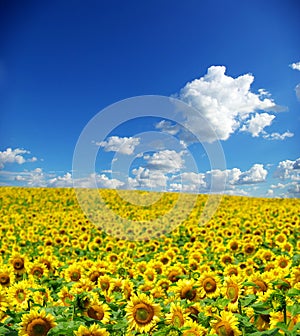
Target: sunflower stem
point(241, 313)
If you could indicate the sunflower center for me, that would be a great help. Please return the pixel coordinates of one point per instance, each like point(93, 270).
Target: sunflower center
point(232, 292)
point(209, 285)
point(104, 285)
point(20, 295)
point(38, 327)
point(94, 276)
point(249, 249)
point(188, 293)
point(96, 312)
point(18, 264)
point(283, 263)
point(193, 313)
point(191, 333)
point(173, 276)
point(178, 320)
point(143, 313)
point(75, 276)
point(223, 329)
point(4, 279)
point(37, 271)
point(261, 284)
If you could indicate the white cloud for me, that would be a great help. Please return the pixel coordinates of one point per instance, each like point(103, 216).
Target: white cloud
point(188, 182)
point(295, 66)
point(270, 193)
point(278, 136)
point(33, 178)
point(256, 124)
point(288, 169)
point(15, 156)
point(118, 144)
point(102, 181)
point(61, 181)
point(168, 161)
point(226, 103)
point(228, 181)
point(147, 178)
point(256, 174)
point(295, 189)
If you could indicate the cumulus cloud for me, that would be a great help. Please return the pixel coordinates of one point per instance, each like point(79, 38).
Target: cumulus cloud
point(257, 123)
point(147, 178)
point(256, 174)
point(278, 136)
point(288, 169)
point(61, 181)
point(122, 145)
point(167, 161)
point(226, 103)
point(294, 189)
point(188, 182)
point(295, 66)
point(14, 156)
point(217, 180)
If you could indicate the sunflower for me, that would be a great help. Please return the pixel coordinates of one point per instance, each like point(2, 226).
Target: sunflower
point(187, 289)
point(150, 275)
point(232, 289)
point(164, 284)
point(51, 262)
point(261, 284)
point(93, 330)
point(295, 276)
point(173, 273)
point(192, 328)
point(98, 310)
point(7, 276)
point(36, 323)
point(18, 262)
point(65, 297)
point(193, 311)
point(225, 325)
point(73, 273)
point(94, 273)
point(116, 286)
point(42, 295)
point(283, 262)
point(19, 294)
point(157, 266)
point(279, 317)
point(230, 270)
point(142, 313)
point(83, 285)
point(37, 269)
point(104, 282)
point(210, 284)
point(127, 288)
point(3, 303)
point(177, 316)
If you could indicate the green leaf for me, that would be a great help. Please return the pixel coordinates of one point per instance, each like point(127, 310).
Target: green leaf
point(272, 332)
point(293, 292)
point(248, 300)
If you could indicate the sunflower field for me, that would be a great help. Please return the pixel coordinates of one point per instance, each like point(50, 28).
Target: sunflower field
point(237, 273)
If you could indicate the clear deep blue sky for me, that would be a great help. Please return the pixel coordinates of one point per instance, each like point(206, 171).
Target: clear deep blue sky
point(61, 62)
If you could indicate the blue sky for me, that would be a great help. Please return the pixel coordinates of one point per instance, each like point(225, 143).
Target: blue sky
point(235, 63)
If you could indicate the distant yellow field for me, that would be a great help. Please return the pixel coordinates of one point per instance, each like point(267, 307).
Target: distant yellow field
point(145, 263)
